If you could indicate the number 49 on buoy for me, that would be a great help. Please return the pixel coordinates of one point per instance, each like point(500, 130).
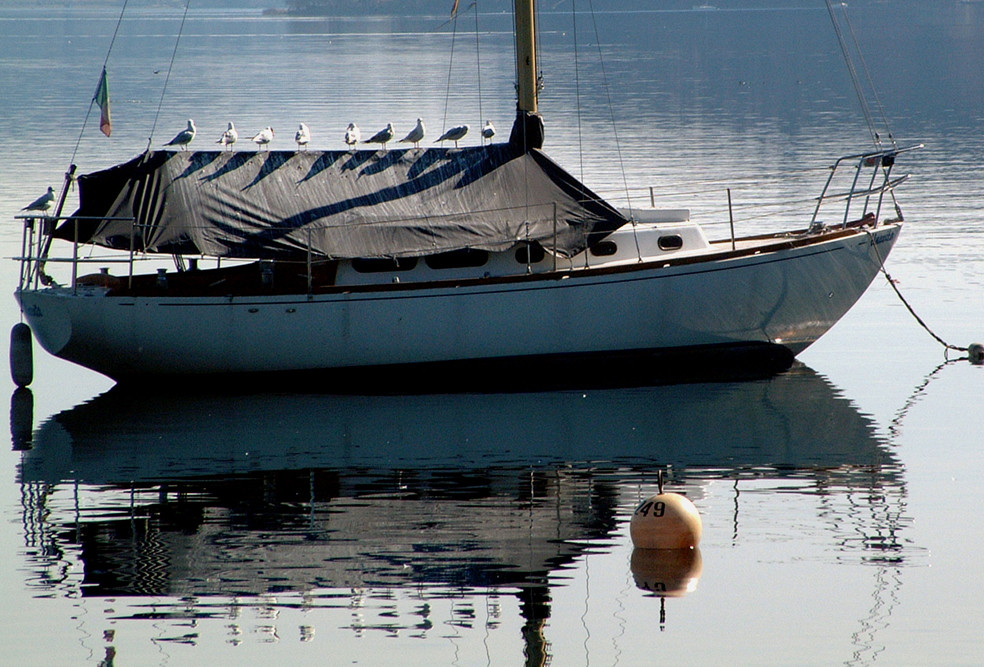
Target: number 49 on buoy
point(665, 521)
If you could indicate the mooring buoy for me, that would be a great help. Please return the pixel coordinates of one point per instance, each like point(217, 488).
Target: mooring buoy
point(665, 521)
point(976, 353)
point(21, 355)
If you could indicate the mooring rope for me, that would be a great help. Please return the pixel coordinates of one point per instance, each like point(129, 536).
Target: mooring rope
point(891, 281)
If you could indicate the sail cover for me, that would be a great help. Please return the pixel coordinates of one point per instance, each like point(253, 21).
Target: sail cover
point(339, 204)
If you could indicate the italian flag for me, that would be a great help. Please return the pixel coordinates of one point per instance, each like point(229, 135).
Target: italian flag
point(102, 99)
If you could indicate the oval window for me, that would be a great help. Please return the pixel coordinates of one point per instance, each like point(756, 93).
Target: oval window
point(604, 249)
point(670, 242)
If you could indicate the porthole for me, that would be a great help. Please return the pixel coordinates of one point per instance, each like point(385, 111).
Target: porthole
point(531, 253)
point(670, 242)
point(604, 249)
point(383, 264)
point(458, 259)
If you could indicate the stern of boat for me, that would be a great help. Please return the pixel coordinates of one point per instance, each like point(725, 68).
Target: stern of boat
point(48, 317)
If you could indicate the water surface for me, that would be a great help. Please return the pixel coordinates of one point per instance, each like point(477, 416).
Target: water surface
point(838, 499)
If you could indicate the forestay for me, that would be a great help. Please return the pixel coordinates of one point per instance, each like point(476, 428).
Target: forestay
point(339, 204)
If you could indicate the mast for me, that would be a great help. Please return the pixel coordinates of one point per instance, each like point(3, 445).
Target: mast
point(527, 130)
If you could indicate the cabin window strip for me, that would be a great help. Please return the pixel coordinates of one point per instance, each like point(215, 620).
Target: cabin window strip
point(384, 264)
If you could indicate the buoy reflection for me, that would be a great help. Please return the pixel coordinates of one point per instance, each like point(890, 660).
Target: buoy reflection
point(669, 573)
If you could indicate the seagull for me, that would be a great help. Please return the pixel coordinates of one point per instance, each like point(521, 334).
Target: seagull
point(352, 135)
point(383, 137)
point(263, 137)
point(229, 137)
point(184, 137)
point(42, 203)
point(488, 131)
point(455, 134)
point(302, 136)
point(415, 135)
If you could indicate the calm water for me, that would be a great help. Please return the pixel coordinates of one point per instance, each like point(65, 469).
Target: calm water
point(840, 500)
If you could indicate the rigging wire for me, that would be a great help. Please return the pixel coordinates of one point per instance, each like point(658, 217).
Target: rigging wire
point(577, 89)
point(170, 65)
point(447, 90)
point(865, 110)
point(867, 73)
point(105, 62)
point(611, 107)
point(478, 66)
point(618, 145)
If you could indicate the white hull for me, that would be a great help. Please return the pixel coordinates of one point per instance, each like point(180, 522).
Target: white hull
point(788, 293)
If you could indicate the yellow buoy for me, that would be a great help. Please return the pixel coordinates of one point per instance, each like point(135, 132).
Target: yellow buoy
point(666, 521)
point(976, 353)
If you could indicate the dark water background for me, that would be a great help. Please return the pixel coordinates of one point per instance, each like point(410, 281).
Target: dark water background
point(839, 500)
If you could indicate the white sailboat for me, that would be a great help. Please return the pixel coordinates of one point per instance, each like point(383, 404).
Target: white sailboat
point(491, 257)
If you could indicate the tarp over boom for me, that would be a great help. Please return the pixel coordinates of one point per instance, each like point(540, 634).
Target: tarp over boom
point(340, 204)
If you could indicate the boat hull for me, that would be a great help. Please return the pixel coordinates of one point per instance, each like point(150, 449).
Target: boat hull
point(784, 297)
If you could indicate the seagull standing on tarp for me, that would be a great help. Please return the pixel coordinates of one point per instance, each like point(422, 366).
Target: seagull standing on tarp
point(415, 136)
point(488, 131)
point(455, 134)
point(42, 203)
point(263, 137)
point(184, 137)
point(383, 137)
point(302, 136)
point(352, 135)
point(229, 137)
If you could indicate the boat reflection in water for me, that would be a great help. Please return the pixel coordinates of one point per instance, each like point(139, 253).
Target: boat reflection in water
point(328, 496)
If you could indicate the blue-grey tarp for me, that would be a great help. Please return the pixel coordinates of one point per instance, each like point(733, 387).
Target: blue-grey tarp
point(395, 203)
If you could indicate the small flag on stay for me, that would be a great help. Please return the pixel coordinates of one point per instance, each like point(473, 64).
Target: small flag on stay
point(454, 10)
point(102, 99)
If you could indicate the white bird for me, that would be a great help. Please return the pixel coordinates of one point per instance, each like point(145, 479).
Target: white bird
point(352, 135)
point(302, 136)
point(184, 137)
point(42, 203)
point(415, 135)
point(488, 131)
point(229, 137)
point(263, 137)
point(383, 137)
point(455, 134)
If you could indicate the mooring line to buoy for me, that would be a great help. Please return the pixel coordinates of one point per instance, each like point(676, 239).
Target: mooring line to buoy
point(975, 351)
